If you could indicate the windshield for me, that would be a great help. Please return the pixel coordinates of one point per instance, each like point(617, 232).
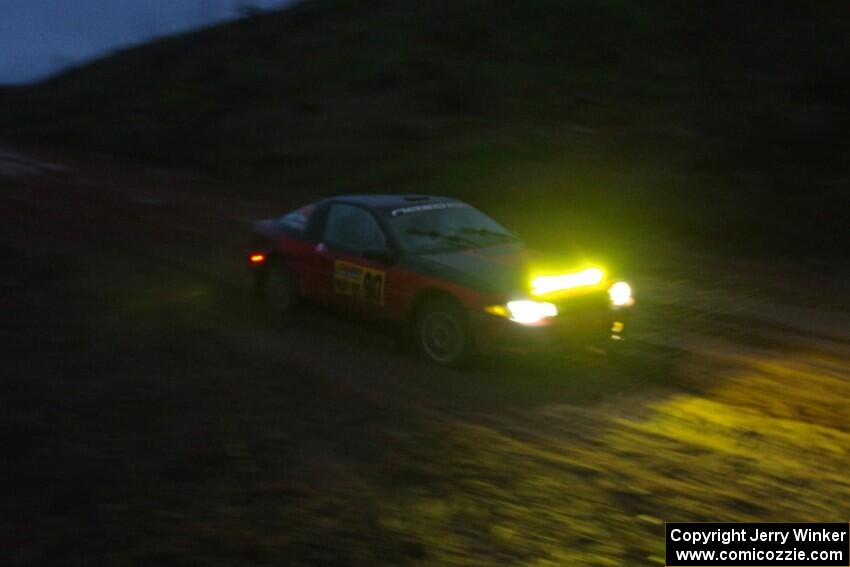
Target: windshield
point(454, 227)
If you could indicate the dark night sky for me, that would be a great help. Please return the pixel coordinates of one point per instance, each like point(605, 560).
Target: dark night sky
point(41, 37)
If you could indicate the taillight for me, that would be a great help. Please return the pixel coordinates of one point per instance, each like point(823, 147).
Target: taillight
point(258, 258)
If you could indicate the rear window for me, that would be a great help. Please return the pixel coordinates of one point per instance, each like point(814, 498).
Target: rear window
point(298, 219)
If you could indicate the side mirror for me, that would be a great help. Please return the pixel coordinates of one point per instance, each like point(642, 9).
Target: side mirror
point(382, 255)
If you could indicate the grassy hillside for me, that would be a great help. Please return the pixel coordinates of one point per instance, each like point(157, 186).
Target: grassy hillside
point(721, 123)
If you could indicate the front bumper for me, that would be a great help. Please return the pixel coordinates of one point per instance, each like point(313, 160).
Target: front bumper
point(568, 331)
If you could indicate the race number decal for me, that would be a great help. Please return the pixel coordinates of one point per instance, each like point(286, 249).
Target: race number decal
point(359, 282)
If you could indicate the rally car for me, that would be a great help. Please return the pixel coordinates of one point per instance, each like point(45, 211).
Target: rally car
point(453, 278)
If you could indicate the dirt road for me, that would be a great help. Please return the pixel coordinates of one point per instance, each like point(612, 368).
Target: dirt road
point(152, 413)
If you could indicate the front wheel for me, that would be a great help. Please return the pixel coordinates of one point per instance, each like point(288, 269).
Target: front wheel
point(442, 333)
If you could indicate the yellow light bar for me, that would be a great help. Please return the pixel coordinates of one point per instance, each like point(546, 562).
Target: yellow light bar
point(542, 285)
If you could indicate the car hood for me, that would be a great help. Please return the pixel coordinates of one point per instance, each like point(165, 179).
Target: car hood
point(497, 269)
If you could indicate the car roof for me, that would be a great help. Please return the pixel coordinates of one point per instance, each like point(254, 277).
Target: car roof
point(388, 202)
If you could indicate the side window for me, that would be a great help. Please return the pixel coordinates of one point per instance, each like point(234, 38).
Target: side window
point(352, 228)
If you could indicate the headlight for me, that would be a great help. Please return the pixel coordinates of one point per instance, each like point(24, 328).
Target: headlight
point(528, 312)
point(621, 294)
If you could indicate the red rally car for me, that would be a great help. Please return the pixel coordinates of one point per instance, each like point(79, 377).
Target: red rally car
point(448, 274)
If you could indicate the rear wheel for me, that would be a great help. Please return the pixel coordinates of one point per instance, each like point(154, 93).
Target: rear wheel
point(279, 289)
point(442, 333)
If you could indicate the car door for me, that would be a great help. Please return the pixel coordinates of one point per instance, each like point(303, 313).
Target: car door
point(352, 280)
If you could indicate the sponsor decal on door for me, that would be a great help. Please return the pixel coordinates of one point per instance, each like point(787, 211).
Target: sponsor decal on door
point(359, 282)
